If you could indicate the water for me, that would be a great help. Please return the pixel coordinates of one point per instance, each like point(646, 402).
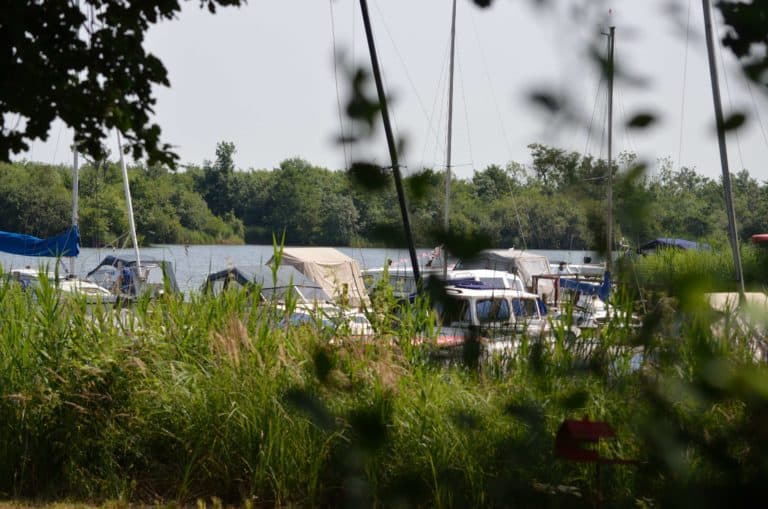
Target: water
point(193, 263)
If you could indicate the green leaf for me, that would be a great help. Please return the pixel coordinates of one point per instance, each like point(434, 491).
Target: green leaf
point(734, 121)
point(641, 121)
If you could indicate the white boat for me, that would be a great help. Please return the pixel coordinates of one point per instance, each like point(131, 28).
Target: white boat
point(577, 269)
point(125, 278)
point(490, 278)
point(330, 321)
point(522, 263)
point(336, 273)
point(70, 286)
point(499, 318)
point(66, 244)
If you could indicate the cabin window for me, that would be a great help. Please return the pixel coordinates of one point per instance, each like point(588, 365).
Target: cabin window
point(402, 285)
point(493, 282)
point(457, 312)
point(525, 308)
point(492, 310)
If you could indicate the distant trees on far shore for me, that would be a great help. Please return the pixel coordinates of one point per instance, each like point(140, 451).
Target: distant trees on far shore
point(556, 202)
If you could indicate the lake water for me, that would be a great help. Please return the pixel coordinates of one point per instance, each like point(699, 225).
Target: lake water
point(193, 263)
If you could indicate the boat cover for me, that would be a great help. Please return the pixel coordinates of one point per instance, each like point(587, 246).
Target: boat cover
point(65, 244)
point(129, 260)
point(524, 264)
point(338, 274)
point(272, 285)
point(602, 290)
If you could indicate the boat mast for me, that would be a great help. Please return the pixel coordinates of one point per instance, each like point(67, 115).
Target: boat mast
point(609, 224)
point(390, 142)
point(129, 204)
point(75, 198)
point(446, 219)
point(723, 150)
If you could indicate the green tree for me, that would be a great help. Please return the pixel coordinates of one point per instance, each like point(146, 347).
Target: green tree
point(218, 182)
point(49, 70)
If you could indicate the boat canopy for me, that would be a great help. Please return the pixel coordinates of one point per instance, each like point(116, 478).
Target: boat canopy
point(65, 244)
point(338, 274)
point(129, 261)
point(514, 261)
point(272, 285)
point(666, 242)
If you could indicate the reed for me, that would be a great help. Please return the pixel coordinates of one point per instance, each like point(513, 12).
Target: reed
point(175, 401)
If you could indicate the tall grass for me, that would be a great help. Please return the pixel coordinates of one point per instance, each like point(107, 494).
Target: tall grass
point(710, 270)
point(212, 397)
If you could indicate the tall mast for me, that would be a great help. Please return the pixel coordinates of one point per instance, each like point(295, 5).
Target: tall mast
point(723, 150)
point(129, 204)
point(390, 142)
point(609, 225)
point(446, 219)
point(75, 197)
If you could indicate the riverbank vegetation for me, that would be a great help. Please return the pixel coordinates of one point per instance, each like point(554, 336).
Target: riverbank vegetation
point(555, 202)
point(214, 399)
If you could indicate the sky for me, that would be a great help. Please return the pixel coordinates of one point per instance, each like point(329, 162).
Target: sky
point(269, 77)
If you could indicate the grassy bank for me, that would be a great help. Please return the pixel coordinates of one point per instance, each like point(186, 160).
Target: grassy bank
point(673, 270)
point(212, 398)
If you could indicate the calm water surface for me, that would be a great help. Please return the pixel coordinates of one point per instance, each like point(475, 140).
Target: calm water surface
point(193, 263)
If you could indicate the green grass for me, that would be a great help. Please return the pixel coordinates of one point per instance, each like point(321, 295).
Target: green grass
point(210, 398)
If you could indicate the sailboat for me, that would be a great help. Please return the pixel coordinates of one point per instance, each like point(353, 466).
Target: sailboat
point(130, 276)
point(66, 244)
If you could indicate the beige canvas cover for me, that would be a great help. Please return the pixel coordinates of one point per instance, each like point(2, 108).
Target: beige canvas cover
point(337, 273)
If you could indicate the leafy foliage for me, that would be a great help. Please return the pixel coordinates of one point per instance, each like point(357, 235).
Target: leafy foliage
point(85, 63)
point(557, 202)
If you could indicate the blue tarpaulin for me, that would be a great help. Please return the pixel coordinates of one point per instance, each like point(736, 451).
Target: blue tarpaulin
point(65, 244)
point(602, 290)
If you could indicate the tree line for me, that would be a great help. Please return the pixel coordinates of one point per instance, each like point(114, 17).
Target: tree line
point(555, 202)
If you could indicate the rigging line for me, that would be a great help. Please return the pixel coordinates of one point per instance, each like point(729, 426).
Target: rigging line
point(437, 103)
point(627, 135)
point(487, 74)
point(629, 139)
point(592, 118)
point(603, 131)
point(754, 107)
point(402, 62)
point(439, 141)
point(728, 94)
point(682, 90)
point(336, 82)
point(354, 25)
point(466, 113)
point(505, 136)
point(403, 159)
point(352, 125)
point(56, 148)
point(15, 125)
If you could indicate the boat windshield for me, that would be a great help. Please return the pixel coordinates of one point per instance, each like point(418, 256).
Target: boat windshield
point(525, 308)
point(492, 310)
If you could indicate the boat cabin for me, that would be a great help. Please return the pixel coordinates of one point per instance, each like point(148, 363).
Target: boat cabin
point(29, 278)
point(122, 276)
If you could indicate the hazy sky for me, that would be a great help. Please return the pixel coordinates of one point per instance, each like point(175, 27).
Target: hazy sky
point(263, 77)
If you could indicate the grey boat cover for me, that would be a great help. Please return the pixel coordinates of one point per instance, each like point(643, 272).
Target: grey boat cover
point(338, 274)
point(523, 263)
point(272, 286)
